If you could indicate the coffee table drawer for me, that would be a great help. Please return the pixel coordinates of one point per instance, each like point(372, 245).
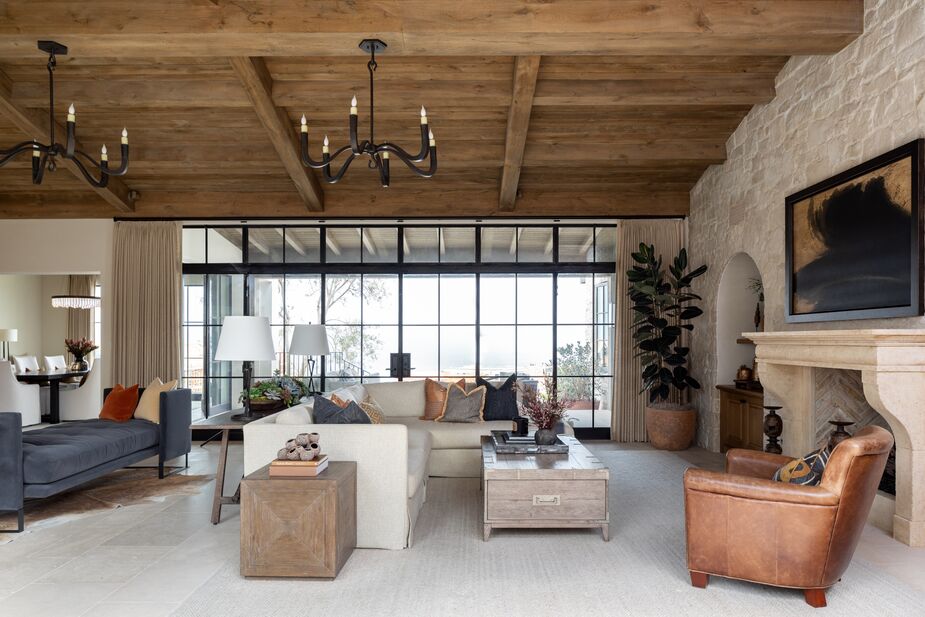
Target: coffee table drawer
point(545, 499)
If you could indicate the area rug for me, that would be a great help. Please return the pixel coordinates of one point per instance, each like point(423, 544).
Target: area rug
point(115, 490)
point(450, 571)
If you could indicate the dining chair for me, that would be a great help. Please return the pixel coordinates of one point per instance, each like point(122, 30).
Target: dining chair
point(84, 402)
point(26, 364)
point(55, 363)
point(19, 397)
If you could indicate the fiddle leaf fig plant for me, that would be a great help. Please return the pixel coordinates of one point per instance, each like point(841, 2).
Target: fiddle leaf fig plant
point(663, 306)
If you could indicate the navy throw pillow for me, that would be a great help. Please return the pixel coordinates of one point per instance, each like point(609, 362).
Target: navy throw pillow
point(326, 412)
point(500, 402)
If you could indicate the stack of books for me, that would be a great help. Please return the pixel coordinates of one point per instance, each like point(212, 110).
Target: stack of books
point(299, 469)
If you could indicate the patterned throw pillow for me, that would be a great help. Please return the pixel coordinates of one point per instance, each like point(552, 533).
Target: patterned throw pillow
point(373, 410)
point(500, 401)
point(339, 401)
point(806, 471)
point(462, 406)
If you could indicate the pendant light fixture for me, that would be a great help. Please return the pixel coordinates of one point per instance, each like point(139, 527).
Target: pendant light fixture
point(379, 154)
point(45, 156)
point(75, 302)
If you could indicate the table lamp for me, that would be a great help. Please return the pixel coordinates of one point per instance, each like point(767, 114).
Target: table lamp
point(246, 340)
point(310, 340)
point(7, 336)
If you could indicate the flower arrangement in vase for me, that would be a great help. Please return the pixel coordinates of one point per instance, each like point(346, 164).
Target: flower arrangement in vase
point(545, 410)
point(80, 348)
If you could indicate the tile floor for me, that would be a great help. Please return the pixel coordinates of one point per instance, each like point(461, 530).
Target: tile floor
point(144, 560)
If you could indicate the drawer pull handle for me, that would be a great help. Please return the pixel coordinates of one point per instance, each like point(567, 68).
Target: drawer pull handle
point(546, 500)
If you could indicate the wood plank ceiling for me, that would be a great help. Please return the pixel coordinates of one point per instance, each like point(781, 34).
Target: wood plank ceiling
point(540, 107)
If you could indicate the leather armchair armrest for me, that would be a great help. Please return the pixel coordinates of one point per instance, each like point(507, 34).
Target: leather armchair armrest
point(757, 489)
point(754, 463)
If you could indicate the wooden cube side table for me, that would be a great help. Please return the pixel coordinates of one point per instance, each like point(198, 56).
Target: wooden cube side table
point(298, 527)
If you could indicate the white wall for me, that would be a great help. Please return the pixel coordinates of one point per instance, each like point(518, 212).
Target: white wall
point(78, 246)
point(54, 320)
point(830, 113)
point(20, 304)
point(735, 314)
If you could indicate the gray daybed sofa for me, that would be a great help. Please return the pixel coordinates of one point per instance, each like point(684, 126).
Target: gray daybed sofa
point(47, 461)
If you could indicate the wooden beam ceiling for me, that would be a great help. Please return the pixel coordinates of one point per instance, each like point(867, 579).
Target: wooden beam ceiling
point(33, 125)
point(616, 108)
point(259, 87)
point(191, 28)
point(526, 69)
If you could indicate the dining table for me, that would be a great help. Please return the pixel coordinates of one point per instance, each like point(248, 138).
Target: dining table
point(53, 379)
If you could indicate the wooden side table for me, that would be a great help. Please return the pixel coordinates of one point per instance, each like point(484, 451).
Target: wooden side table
point(299, 527)
point(223, 423)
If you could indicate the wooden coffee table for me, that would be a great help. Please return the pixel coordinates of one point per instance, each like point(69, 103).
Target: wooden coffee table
point(544, 490)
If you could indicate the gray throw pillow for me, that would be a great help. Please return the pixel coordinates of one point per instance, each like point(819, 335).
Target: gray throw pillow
point(326, 412)
point(463, 406)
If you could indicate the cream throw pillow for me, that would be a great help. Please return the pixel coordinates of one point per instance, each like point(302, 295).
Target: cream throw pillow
point(149, 407)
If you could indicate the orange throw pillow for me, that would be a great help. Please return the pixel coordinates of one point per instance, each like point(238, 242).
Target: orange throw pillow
point(435, 398)
point(120, 405)
point(339, 401)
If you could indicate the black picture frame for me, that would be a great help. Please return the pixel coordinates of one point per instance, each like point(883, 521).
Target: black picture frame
point(914, 150)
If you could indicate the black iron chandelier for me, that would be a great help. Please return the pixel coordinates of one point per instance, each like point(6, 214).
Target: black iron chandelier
point(45, 156)
point(378, 154)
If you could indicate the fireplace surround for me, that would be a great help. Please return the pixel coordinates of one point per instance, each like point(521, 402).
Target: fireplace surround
point(892, 367)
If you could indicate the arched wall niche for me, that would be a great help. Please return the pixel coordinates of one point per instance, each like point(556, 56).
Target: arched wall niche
point(735, 313)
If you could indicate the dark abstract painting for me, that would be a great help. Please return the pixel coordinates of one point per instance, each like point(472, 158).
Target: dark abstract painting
point(853, 242)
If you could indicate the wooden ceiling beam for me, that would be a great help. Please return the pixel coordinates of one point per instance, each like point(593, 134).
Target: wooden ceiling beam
point(476, 203)
point(259, 87)
point(34, 125)
point(415, 27)
point(526, 68)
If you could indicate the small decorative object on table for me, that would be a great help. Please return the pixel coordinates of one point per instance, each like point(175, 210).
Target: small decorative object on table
point(545, 410)
point(507, 443)
point(839, 434)
point(79, 348)
point(300, 457)
point(744, 377)
point(275, 394)
point(773, 427)
point(521, 426)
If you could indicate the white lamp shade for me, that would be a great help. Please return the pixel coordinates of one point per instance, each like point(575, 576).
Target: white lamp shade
point(245, 338)
point(9, 335)
point(309, 340)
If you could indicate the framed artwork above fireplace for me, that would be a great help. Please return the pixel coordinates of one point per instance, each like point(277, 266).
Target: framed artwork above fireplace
point(854, 247)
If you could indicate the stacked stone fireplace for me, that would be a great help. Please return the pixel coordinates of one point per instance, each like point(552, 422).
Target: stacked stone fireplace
point(874, 376)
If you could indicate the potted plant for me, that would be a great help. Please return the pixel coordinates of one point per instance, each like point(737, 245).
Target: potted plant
point(275, 394)
point(663, 306)
point(545, 410)
point(80, 348)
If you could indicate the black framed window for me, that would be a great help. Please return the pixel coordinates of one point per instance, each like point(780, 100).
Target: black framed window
point(463, 300)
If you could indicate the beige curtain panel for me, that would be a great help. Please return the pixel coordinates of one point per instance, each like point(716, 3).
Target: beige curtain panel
point(668, 236)
point(80, 321)
point(147, 279)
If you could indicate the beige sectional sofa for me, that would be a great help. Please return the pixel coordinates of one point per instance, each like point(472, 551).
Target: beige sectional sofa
point(393, 459)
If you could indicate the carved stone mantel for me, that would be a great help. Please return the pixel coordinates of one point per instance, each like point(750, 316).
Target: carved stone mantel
point(892, 366)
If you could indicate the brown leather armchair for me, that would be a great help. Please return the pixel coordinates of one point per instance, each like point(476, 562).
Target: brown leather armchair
point(743, 525)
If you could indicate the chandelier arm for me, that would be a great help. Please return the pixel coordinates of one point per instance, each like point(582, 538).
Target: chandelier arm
point(354, 143)
point(39, 164)
point(71, 142)
point(340, 174)
point(388, 146)
point(104, 177)
point(424, 173)
point(307, 159)
point(384, 175)
point(7, 155)
point(104, 166)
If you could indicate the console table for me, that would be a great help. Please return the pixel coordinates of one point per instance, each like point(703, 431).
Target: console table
point(224, 423)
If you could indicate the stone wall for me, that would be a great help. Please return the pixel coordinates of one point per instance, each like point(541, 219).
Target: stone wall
point(830, 113)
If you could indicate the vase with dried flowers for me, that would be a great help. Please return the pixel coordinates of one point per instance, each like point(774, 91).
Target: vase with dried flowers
point(545, 409)
point(80, 348)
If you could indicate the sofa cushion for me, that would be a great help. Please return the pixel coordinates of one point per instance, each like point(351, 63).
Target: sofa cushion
point(356, 393)
point(62, 450)
point(120, 404)
point(300, 414)
point(149, 405)
point(419, 444)
point(462, 405)
point(452, 436)
point(500, 401)
point(328, 412)
point(435, 397)
point(399, 398)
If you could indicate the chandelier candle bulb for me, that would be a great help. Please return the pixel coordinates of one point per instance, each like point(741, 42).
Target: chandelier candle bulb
point(104, 154)
point(125, 136)
point(353, 106)
point(325, 145)
point(71, 114)
point(304, 124)
point(433, 140)
point(423, 115)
